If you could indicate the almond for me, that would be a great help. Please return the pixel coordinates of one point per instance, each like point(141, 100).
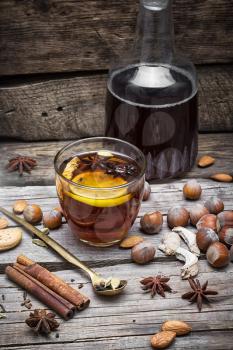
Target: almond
point(179, 327)
point(131, 241)
point(3, 223)
point(162, 339)
point(222, 177)
point(19, 206)
point(206, 161)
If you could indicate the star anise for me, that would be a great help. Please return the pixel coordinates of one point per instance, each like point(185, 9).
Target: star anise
point(42, 321)
point(157, 284)
point(21, 163)
point(198, 293)
point(94, 162)
point(121, 170)
point(116, 169)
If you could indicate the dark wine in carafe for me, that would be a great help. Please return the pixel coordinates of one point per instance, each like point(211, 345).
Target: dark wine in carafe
point(152, 95)
point(155, 108)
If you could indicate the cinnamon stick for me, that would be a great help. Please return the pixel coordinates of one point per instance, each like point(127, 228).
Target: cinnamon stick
point(53, 282)
point(51, 292)
point(41, 292)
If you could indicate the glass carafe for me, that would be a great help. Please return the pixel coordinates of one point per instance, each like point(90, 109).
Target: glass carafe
point(152, 96)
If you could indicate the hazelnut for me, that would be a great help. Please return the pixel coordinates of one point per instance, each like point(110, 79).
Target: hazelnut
point(192, 190)
point(143, 253)
point(152, 222)
point(218, 255)
point(60, 210)
point(147, 191)
point(208, 220)
point(231, 253)
point(32, 214)
point(205, 237)
point(197, 212)
point(226, 235)
point(52, 220)
point(19, 206)
point(177, 216)
point(225, 218)
point(215, 205)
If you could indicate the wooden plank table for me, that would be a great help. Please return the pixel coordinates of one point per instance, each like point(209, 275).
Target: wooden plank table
point(126, 321)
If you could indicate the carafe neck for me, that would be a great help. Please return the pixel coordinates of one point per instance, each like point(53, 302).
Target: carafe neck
point(155, 33)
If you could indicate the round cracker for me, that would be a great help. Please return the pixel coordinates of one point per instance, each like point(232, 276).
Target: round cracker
point(10, 238)
point(3, 223)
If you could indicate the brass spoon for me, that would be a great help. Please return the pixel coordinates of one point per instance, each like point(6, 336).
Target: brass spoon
point(108, 287)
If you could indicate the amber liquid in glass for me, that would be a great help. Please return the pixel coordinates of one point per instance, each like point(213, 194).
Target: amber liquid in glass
point(98, 212)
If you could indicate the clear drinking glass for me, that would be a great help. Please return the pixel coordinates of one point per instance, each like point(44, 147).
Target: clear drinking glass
point(102, 196)
point(152, 96)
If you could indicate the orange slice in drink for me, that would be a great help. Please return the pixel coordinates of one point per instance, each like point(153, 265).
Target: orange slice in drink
point(70, 168)
point(99, 189)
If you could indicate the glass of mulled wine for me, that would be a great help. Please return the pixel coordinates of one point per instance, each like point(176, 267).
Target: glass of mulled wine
point(100, 184)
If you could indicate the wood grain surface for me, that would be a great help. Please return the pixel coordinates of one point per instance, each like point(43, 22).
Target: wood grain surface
point(163, 197)
point(219, 146)
point(73, 107)
point(57, 35)
point(53, 109)
point(127, 321)
point(208, 340)
point(132, 314)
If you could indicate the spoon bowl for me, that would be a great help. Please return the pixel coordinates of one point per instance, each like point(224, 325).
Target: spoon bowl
point(112, 292)
point(109, 287)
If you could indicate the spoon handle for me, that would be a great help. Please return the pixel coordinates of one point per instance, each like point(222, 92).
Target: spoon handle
point(57, 247)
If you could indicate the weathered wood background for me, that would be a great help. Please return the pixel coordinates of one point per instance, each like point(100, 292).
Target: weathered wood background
point(57, 35)
point(54, 56)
